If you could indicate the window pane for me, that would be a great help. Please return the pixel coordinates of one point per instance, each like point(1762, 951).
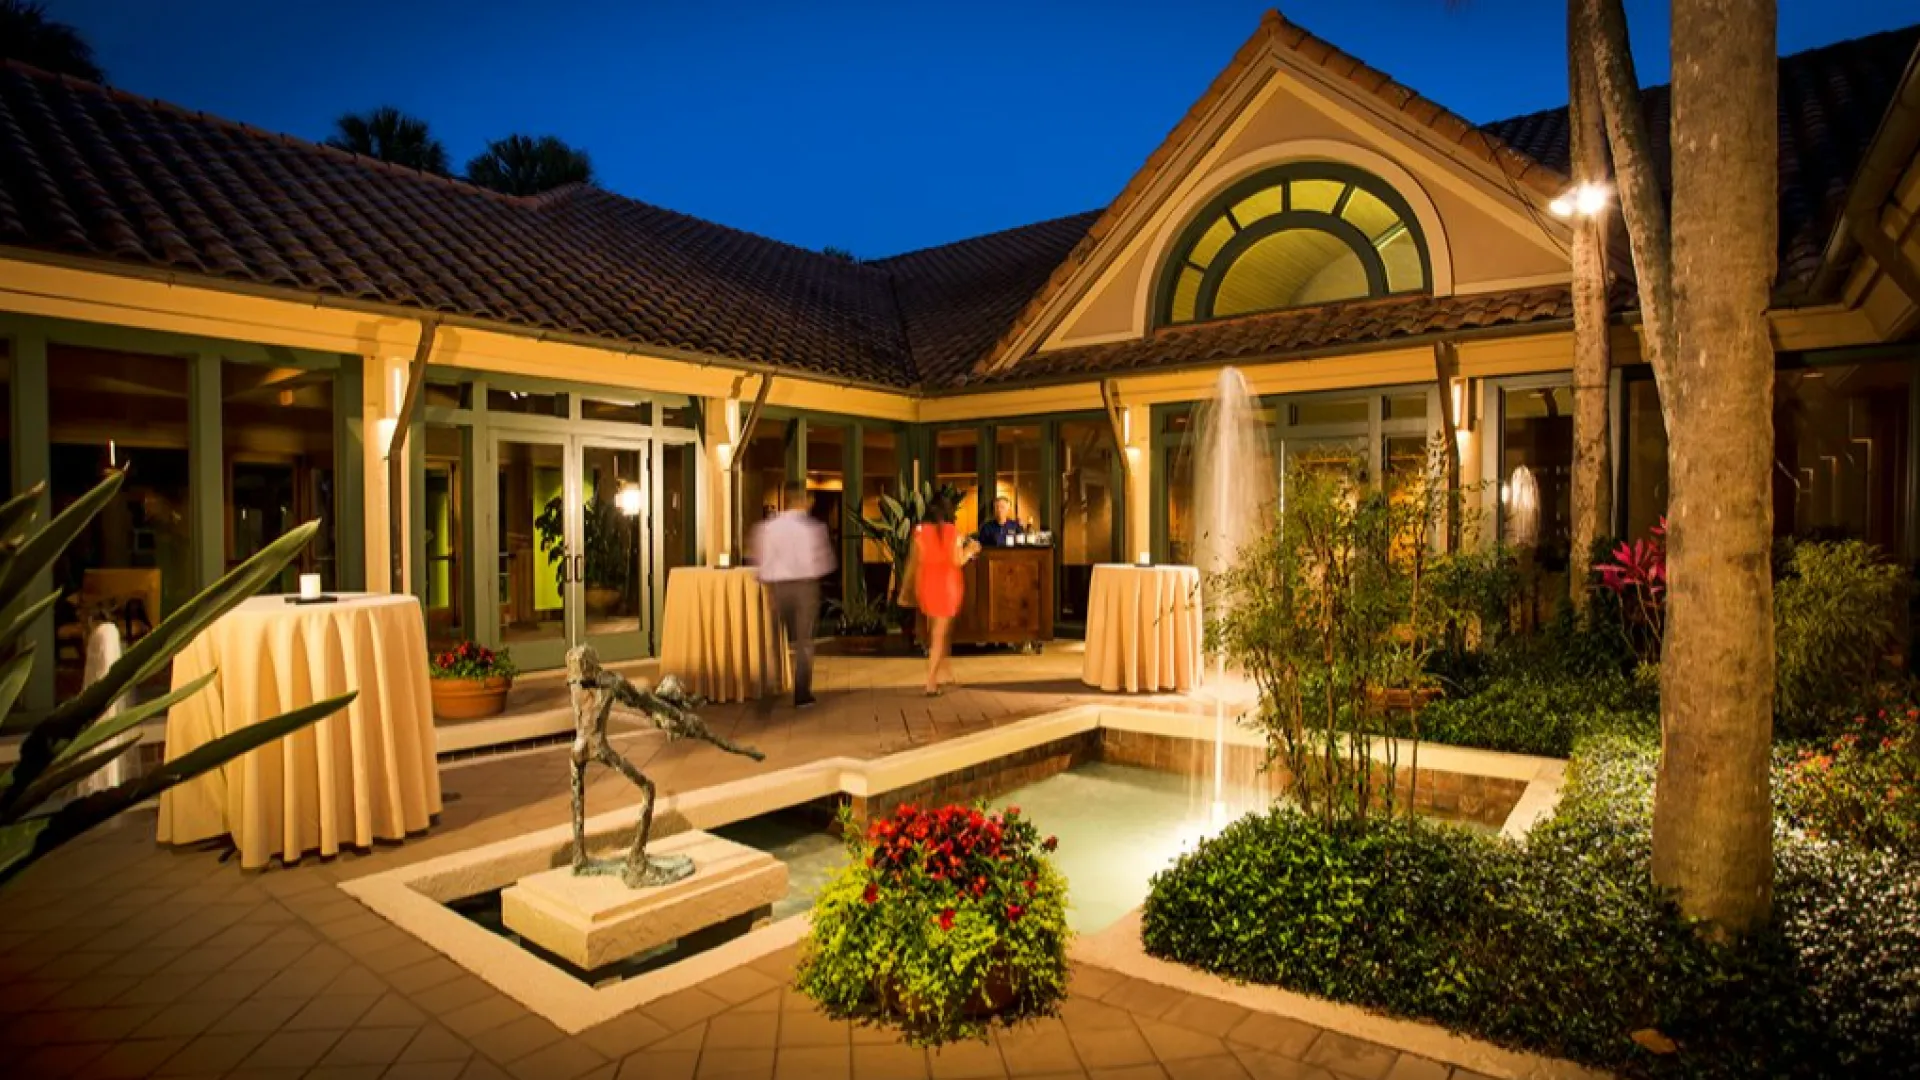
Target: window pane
point(619, 412)
point(1186, 292)
point(1407, 407)
point(1180, 505)
point(1260, 204)
point(6, 422)
point(680, 412)
point(1086, 510)
point(677, 505)
point(530, 485)
point(1320, 195)
point(526, 403)
point(1176, 420)
point(1402, 256)
point(615, 558)
point(956, 453)
point(764, 473)
point(1536, 472)
point(277, 424)
point(1646, 463)
point(133, 564)
point(826, 487)
point(1017, 471)
point(1366, 212)
point(1313, 412)
point(1211, 241)
point(1287, 269)
point(446, 538)
point(439, 395)
point(1840, 453)
point(879, 475)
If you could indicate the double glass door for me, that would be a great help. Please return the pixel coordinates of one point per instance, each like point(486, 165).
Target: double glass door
point(574, 520)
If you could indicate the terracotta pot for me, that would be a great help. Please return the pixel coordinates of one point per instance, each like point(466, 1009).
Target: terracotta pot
point(998, 987)
point(470, 699)
point(602, 600)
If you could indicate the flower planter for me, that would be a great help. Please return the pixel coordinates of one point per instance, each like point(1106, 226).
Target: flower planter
point(470, 699)
point(862, 644)
point(602, 600)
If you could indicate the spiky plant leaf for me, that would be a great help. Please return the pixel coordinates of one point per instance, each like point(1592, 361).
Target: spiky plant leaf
point(12, 631)
point(128, 718)
point(66, 772)
point(24, 841)
point(149, 655)
point(13, 678)
point(17, 511)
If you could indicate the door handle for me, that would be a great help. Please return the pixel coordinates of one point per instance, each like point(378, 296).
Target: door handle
point(580, 569)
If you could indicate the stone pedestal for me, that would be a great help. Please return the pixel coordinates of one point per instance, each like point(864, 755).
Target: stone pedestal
point(595, 920)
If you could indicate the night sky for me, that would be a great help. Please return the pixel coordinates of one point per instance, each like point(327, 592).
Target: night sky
point(876, 127)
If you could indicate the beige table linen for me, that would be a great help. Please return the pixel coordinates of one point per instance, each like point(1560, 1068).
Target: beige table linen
point(365, 773)
point(1144, 631)
point(719, 634)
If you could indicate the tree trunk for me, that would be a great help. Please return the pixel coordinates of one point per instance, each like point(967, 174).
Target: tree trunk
point(1645, 212)
point(1592, 364)
point(1712, 818)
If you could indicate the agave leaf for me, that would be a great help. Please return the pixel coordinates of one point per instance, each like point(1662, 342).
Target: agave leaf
point(19, 625)
point(17, 511)
point(13, 678)
point(43, 547)
point(147, 656)
point(67, 771)
point(23, 842)
point(106, 729)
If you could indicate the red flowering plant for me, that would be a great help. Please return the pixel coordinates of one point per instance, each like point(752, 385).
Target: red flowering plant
point(1862, 787)
point(470, 661)
point(1637, 578)
point(943, 921)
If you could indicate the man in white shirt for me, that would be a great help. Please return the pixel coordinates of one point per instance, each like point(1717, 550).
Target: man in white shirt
point(792, 552)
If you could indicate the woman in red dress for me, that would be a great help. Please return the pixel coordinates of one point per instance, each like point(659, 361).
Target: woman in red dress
point(940, 552)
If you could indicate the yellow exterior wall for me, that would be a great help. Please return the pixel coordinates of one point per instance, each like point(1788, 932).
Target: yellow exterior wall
point(1481, 235)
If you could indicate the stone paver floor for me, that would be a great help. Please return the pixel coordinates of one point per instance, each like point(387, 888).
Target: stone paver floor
point(119, 958)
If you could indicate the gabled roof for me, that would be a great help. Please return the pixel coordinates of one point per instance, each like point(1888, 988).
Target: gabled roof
point(104, 175)
point(1275, 32)
point(1831, 102)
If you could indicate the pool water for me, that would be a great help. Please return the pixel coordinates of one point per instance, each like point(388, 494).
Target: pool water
point(1118, 825)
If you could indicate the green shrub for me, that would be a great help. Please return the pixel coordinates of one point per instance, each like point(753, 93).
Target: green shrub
point(1546, 714)
point(1863, 787)
point(1836, 624)
point(1561, 945)
point(941, 921)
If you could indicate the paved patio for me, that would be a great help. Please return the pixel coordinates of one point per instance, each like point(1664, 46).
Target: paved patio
point(119, 958)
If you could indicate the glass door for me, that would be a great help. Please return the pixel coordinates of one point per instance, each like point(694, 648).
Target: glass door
point(614, 561)
point(537, 525)
point(574, 527)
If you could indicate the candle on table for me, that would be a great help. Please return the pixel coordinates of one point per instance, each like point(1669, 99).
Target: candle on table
point(309, 586)
point(726, 560)
point(1146, 558)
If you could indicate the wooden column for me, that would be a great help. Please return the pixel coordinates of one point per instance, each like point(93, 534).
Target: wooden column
point(206, 470)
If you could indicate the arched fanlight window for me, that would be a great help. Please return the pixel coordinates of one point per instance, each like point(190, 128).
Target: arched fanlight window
point(1301, 234)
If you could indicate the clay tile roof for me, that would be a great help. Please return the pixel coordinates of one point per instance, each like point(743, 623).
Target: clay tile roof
point(957, 299)
point(90, 171)
point(1831, 102)
point(1298, 332)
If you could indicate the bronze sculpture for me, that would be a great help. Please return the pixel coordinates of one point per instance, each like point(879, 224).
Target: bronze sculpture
point(595, 691)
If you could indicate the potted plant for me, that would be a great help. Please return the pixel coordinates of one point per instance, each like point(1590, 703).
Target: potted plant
point(942, 922)
point(605, 537)
point(893, 531)
point(860, 624)
point(470, 681)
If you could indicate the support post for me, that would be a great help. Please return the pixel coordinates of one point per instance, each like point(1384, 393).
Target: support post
point(1446, 365)
point(397, 459)
point(33, 464)
point(739, 455)
point(206, 467)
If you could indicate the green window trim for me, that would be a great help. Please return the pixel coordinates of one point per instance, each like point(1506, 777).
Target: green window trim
point(1199, 263)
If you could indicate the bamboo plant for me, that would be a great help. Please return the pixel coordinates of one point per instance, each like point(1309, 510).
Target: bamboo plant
point(79, 736)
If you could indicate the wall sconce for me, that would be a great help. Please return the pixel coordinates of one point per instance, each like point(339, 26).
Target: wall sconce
point(1126, 428)
point(724, 453)
point(629, 500)
point(1462, 404)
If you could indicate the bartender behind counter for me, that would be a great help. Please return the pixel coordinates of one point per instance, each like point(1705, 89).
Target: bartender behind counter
point(1002, 529)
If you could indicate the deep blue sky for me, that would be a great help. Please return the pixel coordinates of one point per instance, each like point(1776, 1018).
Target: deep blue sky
point(877, 127)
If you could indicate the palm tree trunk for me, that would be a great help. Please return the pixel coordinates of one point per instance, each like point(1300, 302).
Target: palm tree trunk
point(1592, 364)
point(1712, 816)
point(1605, 27)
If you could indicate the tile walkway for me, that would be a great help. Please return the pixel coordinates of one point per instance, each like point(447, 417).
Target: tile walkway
point(121, 959)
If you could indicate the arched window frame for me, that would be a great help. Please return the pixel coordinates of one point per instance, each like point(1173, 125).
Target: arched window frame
point(1289, 218)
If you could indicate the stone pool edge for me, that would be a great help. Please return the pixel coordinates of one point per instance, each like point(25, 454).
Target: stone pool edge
point(413, 897)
